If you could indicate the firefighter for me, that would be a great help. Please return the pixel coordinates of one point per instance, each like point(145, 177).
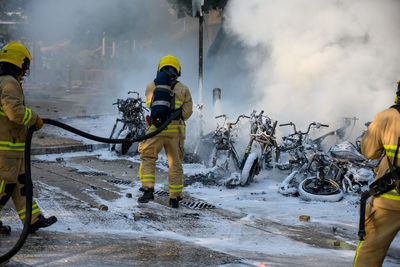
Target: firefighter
point(382, 219)
point(15, 119)
point(171, 139)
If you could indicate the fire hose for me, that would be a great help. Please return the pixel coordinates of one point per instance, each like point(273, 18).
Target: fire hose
point(28, 180)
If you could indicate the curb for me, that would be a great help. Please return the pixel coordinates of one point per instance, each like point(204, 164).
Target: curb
point(67, 149)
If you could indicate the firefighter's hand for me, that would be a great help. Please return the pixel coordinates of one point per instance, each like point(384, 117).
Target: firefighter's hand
point(39, 123)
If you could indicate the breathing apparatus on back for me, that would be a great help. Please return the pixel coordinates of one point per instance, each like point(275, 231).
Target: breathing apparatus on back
point(163, 102)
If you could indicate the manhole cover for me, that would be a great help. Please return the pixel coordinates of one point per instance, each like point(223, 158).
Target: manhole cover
point(124, 182)
point(197, 205)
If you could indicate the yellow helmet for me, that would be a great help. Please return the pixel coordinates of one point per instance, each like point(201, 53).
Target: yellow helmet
point(16, 54)
point(170, 61)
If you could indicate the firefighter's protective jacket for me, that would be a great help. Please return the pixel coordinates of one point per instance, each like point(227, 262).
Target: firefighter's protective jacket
point(382, 135)
point(15, 118)
point(183, 99)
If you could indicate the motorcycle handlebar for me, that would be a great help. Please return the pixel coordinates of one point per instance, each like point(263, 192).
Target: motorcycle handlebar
point(316, 124)
point(238, 118)
point(220, 116)
point(286, 124)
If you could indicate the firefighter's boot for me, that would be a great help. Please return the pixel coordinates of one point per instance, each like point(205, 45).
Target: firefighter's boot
point(4, 229)
point(42, 222)
point(174, 202)
point(147, 195)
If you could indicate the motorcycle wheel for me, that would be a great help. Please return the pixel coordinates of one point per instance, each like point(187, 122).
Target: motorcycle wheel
point(124, 147)
point(250, 169)
point(326, 190)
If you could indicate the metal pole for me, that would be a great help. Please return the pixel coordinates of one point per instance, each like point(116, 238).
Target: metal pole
point(201, 58)
point(113, 49)
point(200, 105)
point(103, 45)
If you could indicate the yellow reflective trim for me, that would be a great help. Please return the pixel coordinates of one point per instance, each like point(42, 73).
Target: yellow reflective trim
point(27, 117)
point(13, 52)
point(33, 212)
point(178, 104)
point(176, 186)
point(148, 175)
point(8, 146)
point(170, 126)
point(2, 112)
point(12, 144)
point(24, 210)
point(175, 190)
point(357, 251)
point(148, 103)
point(390, 147)
point(147, 180)
point(169, 129)
point(391, 150)
point(391, 154)
point(1, 186)
point(391, 195)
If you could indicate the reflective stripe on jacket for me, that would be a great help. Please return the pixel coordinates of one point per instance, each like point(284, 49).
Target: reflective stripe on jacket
point(15, 118)
point(183, 99)
point(382, 135)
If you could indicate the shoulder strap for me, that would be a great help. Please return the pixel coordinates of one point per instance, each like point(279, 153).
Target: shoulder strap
point(173, 83)
point(397, 151)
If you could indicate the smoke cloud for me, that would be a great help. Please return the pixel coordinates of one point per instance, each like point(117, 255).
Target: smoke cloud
point(300, 60)
point(319, 60)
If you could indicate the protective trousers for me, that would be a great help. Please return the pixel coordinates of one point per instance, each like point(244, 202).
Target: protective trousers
point(174, 149)
point(15, 187)
point(381, 227)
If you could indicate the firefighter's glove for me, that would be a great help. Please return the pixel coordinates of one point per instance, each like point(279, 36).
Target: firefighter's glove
point(162, 78)
point(39, 123)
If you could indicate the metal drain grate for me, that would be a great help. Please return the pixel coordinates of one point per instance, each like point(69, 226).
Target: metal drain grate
point(124, 182)
point(197, 205)
point(161, 193)
point(93, 173)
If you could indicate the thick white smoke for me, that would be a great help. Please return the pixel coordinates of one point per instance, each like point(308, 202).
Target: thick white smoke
point(319, 60)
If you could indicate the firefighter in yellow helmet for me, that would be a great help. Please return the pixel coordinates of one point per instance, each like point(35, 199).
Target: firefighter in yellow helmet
point(382, 219)
point(15, 119)
point(164, 95)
